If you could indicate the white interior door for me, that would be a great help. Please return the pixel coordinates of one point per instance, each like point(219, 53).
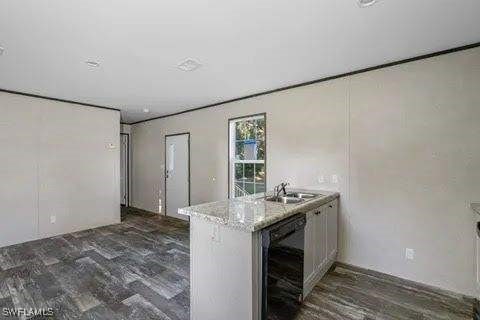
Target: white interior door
point(177, 174)
point(124, 169)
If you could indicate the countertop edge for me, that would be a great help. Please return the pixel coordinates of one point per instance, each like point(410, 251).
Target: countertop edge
point(290, 211)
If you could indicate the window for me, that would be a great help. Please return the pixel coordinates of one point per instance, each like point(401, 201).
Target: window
point(247, 155)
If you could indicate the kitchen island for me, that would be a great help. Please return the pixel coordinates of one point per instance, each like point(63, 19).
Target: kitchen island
point(226, 250)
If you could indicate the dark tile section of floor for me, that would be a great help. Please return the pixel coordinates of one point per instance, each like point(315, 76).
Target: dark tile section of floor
point(139, 269)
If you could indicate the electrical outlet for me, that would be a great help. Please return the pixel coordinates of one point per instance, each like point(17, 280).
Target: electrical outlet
point(409, 254)
point(334, 178)
point(53, 219)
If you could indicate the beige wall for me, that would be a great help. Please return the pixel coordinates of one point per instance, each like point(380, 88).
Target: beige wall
point(55, 162)
point(125, 128)
point(402, 140)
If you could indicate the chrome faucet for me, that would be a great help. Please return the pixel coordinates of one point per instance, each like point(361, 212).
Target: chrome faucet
point(280, 188)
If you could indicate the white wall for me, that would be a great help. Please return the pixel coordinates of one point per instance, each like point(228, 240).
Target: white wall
point(125, 128)
point(55, 162)
point(402, 140)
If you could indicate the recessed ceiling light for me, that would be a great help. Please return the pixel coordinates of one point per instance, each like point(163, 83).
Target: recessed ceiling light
point(366, 3)
point(189, 65)
point(1, 50)
point(93, 64)
point(146, 110)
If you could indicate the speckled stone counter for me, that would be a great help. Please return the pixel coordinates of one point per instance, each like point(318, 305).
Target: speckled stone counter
point(252, 213)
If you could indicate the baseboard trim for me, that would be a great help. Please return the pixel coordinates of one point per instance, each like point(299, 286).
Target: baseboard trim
point(141, 211)
point(135, 210)
point(44, 236)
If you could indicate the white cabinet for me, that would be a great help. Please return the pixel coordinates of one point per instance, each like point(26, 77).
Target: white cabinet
point(309, 257)
point(332, 227)
point(320, 243)
point(320, 234)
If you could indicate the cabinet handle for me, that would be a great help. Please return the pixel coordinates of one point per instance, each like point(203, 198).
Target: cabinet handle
point(330, 206)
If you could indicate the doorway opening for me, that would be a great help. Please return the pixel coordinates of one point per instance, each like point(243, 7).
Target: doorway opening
point(125, 169)
point(177, 173)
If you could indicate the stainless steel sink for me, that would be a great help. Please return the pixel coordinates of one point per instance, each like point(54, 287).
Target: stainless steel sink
point(294, 197)
point(285, 199)
point(302, 195)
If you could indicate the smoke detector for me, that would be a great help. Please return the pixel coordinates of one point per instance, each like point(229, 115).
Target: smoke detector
point(189, 65)
point(93, 64)
point(366, 3)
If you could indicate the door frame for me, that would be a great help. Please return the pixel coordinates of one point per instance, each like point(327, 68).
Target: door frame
point(165, 166)
point(127, 200)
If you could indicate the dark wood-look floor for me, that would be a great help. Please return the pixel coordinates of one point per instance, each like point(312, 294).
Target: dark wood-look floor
point(139, 269)
point(348, 292)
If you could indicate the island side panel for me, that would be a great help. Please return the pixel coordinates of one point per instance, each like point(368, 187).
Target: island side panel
point(257, 275)
point(221, 264)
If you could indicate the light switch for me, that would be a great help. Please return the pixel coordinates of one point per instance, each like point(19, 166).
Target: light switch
point(409, 254)
point(53, 219)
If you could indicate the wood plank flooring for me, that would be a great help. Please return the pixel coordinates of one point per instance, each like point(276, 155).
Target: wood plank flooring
point(348, 292)
point(139, 269)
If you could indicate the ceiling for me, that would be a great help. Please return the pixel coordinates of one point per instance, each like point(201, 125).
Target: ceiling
point(244, 46)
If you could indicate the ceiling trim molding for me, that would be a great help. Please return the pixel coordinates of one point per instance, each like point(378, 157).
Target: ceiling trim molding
point(57, 99)
point(386, 65)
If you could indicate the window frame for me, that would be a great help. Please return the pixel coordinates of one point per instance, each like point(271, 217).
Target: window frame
point(232, 147)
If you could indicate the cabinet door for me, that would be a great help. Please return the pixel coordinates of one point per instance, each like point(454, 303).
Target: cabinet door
point(332, 226)
point(320, 237)
point(309, 256)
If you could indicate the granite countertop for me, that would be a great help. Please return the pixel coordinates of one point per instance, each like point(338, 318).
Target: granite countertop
point(475, 207)
point(253, 212)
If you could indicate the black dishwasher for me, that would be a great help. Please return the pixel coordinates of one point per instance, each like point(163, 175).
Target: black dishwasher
point(282, 268)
